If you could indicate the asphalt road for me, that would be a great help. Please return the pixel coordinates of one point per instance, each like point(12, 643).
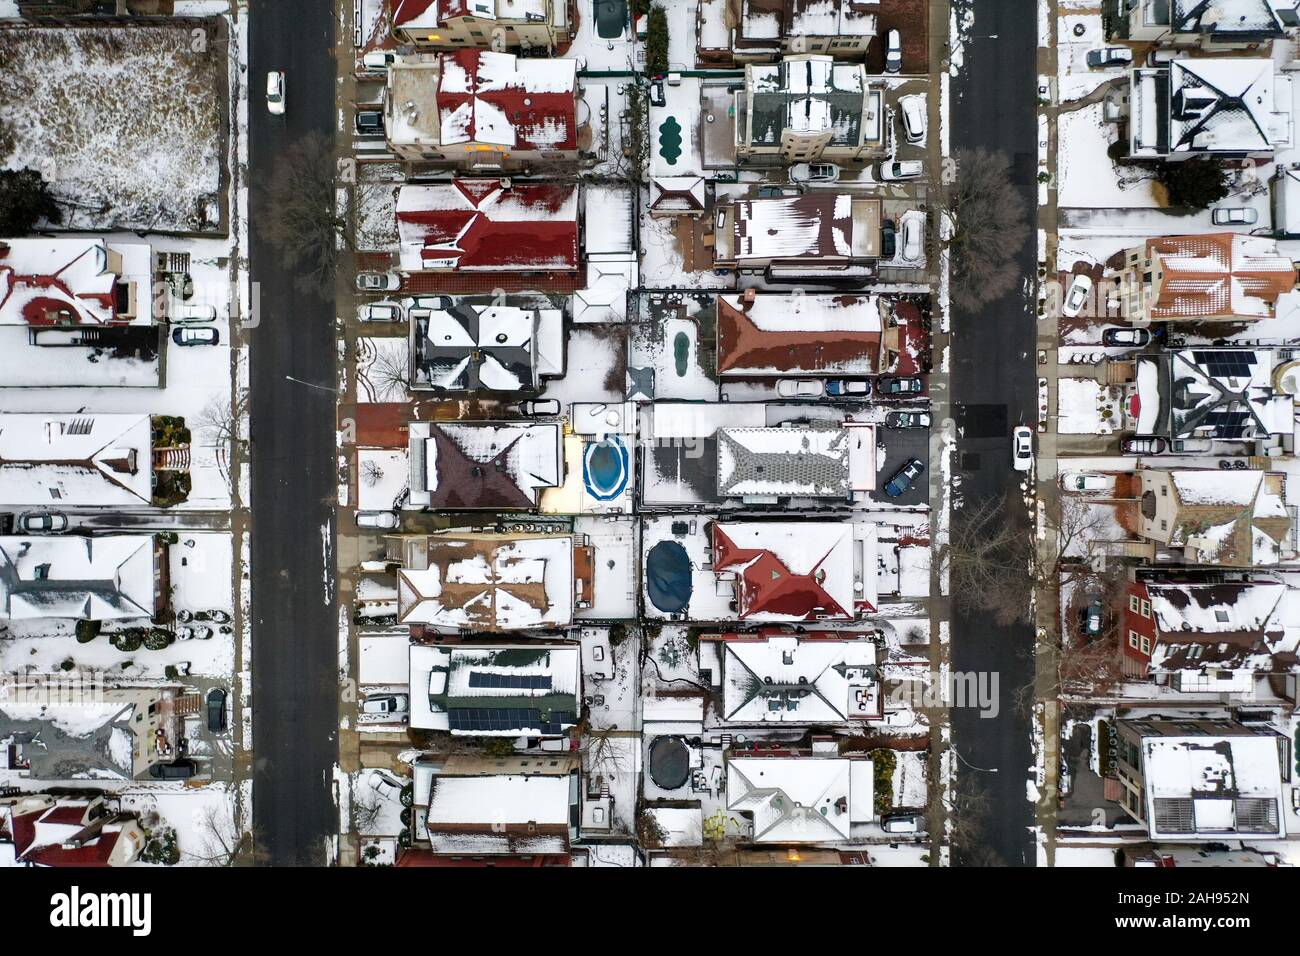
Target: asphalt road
point(994, 105)
point(295, 682)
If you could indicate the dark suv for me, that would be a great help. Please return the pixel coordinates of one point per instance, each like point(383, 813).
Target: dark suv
point(181, 769)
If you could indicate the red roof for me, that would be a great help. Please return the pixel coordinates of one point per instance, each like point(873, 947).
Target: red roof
point(404, 11)
point(496, 98)
point(767, 585)
point(95, 853)
point(479, 224)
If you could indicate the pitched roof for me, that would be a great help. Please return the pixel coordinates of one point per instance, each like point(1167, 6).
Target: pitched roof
point(1220, 274)
point(1224, 104)
point(43, 836)
point(1237, 19)
point(499, 99)
point(473, 465)
point(1236, 519)
point(811, 461)
point(76, 459)
point(786, 679)
point(1211, 393)
point(772, 334)
point(1227, 624)
point(44, 282)
point(812, 225)
point(91, 579)
point(483, 225)
point(800, 799)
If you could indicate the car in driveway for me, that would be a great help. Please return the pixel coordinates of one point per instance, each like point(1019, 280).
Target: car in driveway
point(800, 388)
point(181, 769)
point(217, 710)
point(378, 282)
point(900, 385)
point(893, 52)
point(907, 420)
point(1143, 446)
point(1126, 338)
point(42, 522)
point(196, 336)
point(370, 123)
point(888, 239)
point(378, 60)
point(911, 109)
point(1022, 448)
point(383, 783)
point(1076, 297)
point(904, 478)
point(438, 303)
point(1234, 216)
point(275, 93)
point(897, 170)
point(1109, 56)
point(383, 520)
point(848, 386)
point(902, 823)
point(913, 238)
point(814, 173)
point(392, 704)
point(1090, 619)
point(194, 312)
point(537, 407)
point(770, 191)
point(381, 312)
point(1083, 481)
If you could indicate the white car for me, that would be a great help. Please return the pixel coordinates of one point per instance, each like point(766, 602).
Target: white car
point(1083, 481)
point(378, 282)
point(814, 173)
point(275, 93)
point(1022, 448)
point(913, 237)
point(1235, 216)
point(381, 312)
point(800, 388)
point(912, 110)
point(893, 52)
point(195, 312)
point(898, 170)
point(384, 520)
point(386, 704)
point(378, 60)
point(383, 782)
point(1077, 296)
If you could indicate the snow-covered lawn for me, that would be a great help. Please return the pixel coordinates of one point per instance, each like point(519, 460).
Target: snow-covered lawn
point(128, 125)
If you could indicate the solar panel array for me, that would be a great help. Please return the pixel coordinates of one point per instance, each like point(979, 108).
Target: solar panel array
point(509, 719)
point(1226, 364)
point(510, 681)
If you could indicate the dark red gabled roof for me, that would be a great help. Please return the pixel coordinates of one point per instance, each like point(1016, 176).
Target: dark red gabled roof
point(767, 585)
point(499, 99)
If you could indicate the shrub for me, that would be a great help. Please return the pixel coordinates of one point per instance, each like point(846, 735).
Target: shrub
point(1194, 183)
point(883, 763)
point(87, 631)
point(157, 639)
point(656, 42)
point(128, 640)
point(161, 848)
point(67, 664)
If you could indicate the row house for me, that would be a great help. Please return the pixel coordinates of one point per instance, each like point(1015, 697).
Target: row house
point(1210, 25)
point(767, 29)
point(530, 25)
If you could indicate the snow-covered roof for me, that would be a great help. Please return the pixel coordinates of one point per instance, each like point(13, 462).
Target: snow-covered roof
point(499, 99)
point(1232, 518)
point(1202, 787)
point(806, 95)
point(813, 225)
point(768, 21)
point(479, 347)
point(500, 690)
point(488, 225)
point(46, 831)
point(809, 461)
point(475, 465)
point(76, 459)
point(47, 282)
point(799, 799)
point(108, 578)
point(1223, 274)
point(490, 582)
point(427, 14)
point(1226, 20)
point(1221, 625)
point(783, 679)
point(771, 334)
point(1220, 393)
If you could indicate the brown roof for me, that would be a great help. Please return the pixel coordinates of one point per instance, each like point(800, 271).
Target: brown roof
point(1219, 274)
point(743, 345)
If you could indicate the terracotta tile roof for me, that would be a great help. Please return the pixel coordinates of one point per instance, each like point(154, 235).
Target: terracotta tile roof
point(1221, 274)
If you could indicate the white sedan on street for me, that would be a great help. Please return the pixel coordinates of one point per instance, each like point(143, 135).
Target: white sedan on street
point(1022, 448)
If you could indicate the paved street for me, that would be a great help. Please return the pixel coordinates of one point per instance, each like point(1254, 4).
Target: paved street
point(295, 710)
point(993, 379)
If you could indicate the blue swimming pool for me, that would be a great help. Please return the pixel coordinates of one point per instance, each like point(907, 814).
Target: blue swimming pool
point(605, 468)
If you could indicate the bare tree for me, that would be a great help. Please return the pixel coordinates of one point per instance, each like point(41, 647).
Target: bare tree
point(303, 220)
point(988, 557)
point(366, 809)
point(387, 372)
point(221, 843)
point(987, 225)
point(969, 808)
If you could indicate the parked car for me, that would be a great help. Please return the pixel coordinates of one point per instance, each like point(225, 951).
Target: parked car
point(383, 782)
point(385, 520)
point(1090, 619)
point(386, 704)
point(42, 522)
point(902, 823)
point(381, 312)
point(199, 336)
point(912, 111)
point(814, 173)
point(181, 769)
point(904, 478)
point(900, 385)
point(913, 238)
point(216, 710)
point(893, 52)
point(195, 312)
point(657, 93)
point(799, 388)
point(770, 191)
point(1082, 481)
point(1143, 446)
point(370, 123)
point(1076, 297)
point(275, 93)
point(900, 169)
point(378, 281)
point(1234, 216)
point(538, 407)
point(1022, 448)
point(846, 386)
point(1109, 56)
point(1126, 338)
point(907, 420)
point(378, 60)
point(438, 303)
point(888, 237)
